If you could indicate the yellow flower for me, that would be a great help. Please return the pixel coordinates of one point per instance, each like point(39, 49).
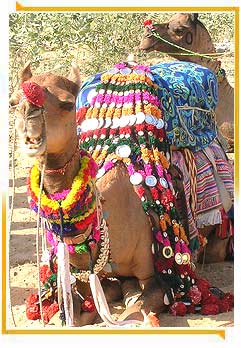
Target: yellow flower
point(77, 187)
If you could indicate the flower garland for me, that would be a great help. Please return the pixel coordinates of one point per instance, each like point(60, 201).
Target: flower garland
point(50, 206)
point(78, 205)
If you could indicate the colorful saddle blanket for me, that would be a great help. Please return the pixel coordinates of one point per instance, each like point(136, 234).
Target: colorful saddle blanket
point(188, 96)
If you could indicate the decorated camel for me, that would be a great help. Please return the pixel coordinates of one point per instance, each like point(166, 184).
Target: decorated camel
point(184, 30)
point(116, 215)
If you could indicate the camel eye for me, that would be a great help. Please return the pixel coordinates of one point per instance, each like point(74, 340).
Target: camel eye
point(65, 105)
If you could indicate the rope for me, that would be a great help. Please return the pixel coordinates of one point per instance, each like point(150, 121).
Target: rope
point(192, 169)
point(37, 243)
point(189, 52)
point(102, 305)
point(64, 284)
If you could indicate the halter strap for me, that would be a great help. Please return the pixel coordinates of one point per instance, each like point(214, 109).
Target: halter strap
point(63, 169)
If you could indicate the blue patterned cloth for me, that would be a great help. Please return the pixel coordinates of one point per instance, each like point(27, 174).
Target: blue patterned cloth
point(188, 95)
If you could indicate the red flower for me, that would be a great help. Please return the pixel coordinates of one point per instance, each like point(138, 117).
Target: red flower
point(210, 309)
point(88, 305)
point(140, 191)
point(178, 308)
point(148, 23)
point(34, 93)
point(81, 114)
point(194, 294)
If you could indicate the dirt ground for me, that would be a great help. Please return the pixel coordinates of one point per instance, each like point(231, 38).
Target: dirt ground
point(22, 255)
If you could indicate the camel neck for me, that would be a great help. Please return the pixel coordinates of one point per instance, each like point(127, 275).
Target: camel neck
point(60, 169)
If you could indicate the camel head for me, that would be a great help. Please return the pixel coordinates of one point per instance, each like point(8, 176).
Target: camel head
point(45, 111)
point(183, 29)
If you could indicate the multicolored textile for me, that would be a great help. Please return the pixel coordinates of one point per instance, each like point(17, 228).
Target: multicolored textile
point(208, 196)
point(209, 204)
point(179, 161)
point(188, 96)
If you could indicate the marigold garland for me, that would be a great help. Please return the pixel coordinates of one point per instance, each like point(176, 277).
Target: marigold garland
point(49, 206)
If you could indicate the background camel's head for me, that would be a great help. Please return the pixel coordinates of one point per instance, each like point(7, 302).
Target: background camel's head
point(183, 29)
point(48, 126)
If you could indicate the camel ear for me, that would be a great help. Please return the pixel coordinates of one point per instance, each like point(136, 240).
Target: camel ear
point(25, 74)
point(74, 74)
point(194, 17)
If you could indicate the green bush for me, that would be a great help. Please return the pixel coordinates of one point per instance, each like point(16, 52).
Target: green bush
point(94, 40)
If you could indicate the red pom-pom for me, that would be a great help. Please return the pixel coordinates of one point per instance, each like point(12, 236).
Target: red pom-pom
point(88, 305)
point(148, 23)
point(34, 93)
point(194, 294)
point(209, 298)
point(202, 284)
point(229, 298)
point(49, 310)
point(191, 309)
point(178, 308)
point(224, 306)
point(44, 273)
point(210, 309)
point(31, 299)
point(33, 312)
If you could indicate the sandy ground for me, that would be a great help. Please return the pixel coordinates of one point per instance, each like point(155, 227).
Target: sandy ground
point(23, 267)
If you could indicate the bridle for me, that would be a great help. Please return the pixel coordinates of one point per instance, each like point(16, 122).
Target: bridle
point(186, 52)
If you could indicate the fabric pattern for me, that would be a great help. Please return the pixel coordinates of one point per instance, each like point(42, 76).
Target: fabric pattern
point(188, 95)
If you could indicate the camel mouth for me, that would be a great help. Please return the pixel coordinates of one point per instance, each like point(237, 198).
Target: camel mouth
point(148, 46)
point(33, 146)
point(147, 49)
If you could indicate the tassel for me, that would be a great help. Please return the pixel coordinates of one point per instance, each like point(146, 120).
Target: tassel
point(64, 285)
point(163, 223)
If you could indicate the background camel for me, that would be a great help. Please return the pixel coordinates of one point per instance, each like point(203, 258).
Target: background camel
point(185, 30)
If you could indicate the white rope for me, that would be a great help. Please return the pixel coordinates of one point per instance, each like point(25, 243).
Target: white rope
point(102, 306)
point(37, 242)
point(45, 252)
point(64, 283)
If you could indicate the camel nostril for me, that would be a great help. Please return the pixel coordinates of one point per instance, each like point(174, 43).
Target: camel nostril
point(33, 141)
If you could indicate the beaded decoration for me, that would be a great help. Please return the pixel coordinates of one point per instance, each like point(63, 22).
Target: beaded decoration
point(124, 123)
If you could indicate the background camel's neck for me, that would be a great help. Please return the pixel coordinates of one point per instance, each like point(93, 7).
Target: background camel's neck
point(57, 181)
point(225, 107)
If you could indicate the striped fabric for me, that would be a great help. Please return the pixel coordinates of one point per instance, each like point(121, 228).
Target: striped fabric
point(208, 196)
point(178, 159)
point(208, 204)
